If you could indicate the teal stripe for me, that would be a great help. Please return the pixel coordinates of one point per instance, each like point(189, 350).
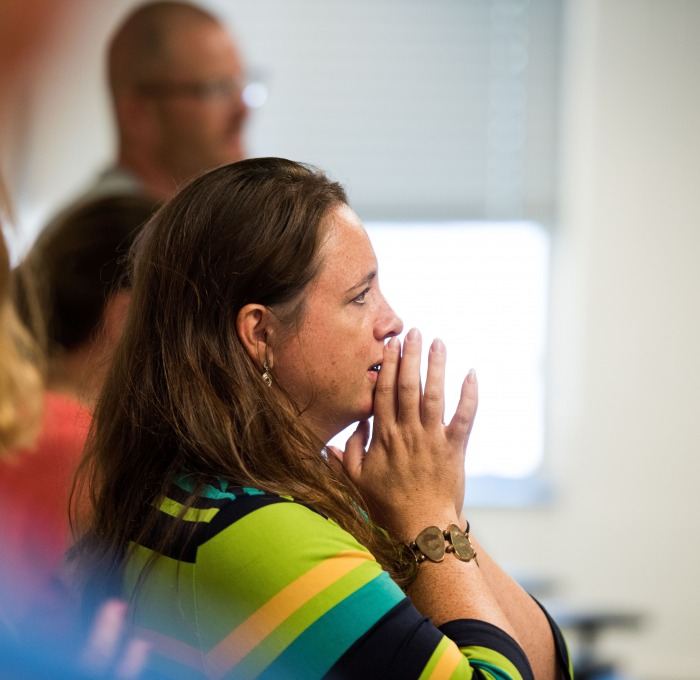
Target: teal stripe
point(249, 491)
point(186, 483)
point(315, 651)
point(496, 673)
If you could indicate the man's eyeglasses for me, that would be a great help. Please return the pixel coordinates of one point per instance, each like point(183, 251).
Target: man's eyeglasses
point(252, 93)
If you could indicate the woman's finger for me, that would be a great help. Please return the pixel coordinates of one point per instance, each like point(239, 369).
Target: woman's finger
point(409, 383)
point(355, 450)
point(433, 402)
point(338, 453)
point(461, 424)
point(385, 390)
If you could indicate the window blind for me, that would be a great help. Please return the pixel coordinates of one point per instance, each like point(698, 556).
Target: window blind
point(425, 109)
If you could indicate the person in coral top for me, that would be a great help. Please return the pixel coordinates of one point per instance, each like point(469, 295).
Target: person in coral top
point(35, 485)
point(72, 291)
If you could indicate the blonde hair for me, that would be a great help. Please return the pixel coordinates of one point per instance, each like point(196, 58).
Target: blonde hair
point(20, 366)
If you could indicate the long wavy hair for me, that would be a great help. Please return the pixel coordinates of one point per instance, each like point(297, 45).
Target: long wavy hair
point(183, 396)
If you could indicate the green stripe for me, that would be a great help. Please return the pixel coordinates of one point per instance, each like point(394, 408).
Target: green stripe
point(435, 658)
point(168, 584)
point(496, 665)
point(174, 509)
point(491, 663)
point(321, 644)
point(304, 617)
point(251, 554)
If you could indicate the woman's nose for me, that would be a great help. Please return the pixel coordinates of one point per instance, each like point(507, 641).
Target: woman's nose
point(389, 323)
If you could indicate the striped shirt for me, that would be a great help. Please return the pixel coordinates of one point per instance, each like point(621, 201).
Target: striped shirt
point(259, 586)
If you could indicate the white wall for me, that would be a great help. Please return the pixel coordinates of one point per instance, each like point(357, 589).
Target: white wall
point(623, 437)
point(56, 128)
point(426, 109)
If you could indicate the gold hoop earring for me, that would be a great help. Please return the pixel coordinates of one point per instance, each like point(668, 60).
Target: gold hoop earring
point(267, 378)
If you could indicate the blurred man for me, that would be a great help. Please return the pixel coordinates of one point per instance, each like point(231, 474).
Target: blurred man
point(176, 81)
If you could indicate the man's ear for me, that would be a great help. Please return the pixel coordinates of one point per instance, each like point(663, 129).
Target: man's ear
point(136, 118)
point(253, 327)
point(114, 317)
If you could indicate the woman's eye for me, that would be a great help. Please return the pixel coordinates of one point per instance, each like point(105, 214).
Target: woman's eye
point(360, 299)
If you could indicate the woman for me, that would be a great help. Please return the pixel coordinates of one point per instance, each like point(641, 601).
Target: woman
point(74, 281)
point(257, 331)
point(25, 649)
point(75, 274)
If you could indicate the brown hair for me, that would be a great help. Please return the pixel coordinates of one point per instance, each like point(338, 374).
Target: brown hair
point(183, 396)
point(75, 266)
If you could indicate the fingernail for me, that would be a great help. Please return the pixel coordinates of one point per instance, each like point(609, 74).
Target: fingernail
point(438, 346)
point(471, 376)
point(393, 343)
point(413, 334)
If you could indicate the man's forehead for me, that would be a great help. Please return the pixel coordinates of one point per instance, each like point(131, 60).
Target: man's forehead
point(199, 48)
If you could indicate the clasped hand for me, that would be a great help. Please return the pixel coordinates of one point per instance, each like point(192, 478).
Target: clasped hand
point(412, 472)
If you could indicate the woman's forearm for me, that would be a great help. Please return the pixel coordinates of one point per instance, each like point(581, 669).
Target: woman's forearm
point(531, 627)
point(451, 590)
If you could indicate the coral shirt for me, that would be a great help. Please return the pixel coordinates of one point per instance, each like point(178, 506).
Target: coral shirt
point(34, 493)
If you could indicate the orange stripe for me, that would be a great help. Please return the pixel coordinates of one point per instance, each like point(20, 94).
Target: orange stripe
point(449, 660)
point(171, 648)
point(249, 634)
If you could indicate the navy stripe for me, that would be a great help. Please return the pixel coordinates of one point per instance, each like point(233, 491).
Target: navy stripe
point(399, 645)
point(184, 541)
point(472, 632)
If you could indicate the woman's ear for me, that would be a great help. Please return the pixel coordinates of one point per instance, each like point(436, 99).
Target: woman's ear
point(253, 326)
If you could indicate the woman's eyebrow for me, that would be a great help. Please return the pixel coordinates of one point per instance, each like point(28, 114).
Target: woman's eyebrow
point(370, 277)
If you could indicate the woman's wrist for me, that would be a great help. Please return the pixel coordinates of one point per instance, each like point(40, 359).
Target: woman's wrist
point(407, 530)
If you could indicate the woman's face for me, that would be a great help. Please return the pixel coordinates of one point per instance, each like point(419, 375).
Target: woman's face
point(330, 366)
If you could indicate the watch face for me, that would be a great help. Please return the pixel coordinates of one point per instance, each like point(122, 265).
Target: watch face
point(462, 546)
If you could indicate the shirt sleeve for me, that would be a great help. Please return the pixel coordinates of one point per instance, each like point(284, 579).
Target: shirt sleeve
point(561, 648)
